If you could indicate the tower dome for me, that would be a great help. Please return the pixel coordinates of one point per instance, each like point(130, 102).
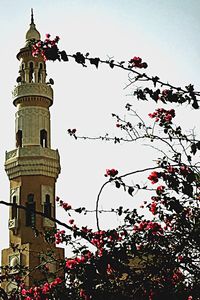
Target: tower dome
point(32, 33)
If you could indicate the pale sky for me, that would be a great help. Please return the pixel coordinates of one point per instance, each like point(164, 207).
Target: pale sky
point(164, 33)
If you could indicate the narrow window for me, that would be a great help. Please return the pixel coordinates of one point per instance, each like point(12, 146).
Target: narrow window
point(31, 72)
point(22, 74)
point(43, 138)
point(19, 138)
point(14, 208)
point(47, 206)
point(30, 211)
point(40, 73)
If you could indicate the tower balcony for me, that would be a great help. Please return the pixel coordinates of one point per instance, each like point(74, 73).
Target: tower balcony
point(31, 90)
point(32, 161)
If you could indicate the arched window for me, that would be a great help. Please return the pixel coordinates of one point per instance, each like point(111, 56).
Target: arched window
point(40, 73)
point(31, 70)
point(14, 208)
point(19, 138)
point(47, 206)
point(30, 211)
point(43, 138)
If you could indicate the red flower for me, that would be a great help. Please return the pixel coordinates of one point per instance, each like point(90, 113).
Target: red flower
point(82, 293)
point(153, 208)
point(171, 169)
point(111, 172)
point(66, 206)
point(153, 177)
point(180, 257)
point(165, 93)
point(160, 189)
point(71, 263)
point(57, 281)
point(71, 221)
point(162, 115)
point(136, 60)
point(109, 269)
point(184, 170)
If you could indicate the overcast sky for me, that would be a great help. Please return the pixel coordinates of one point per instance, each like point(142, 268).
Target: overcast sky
point(164, 33)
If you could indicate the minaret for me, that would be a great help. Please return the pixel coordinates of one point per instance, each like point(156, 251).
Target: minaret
point(32, 167)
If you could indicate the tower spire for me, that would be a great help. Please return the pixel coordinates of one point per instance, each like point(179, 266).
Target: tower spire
point(32, 33)
point(32, 18)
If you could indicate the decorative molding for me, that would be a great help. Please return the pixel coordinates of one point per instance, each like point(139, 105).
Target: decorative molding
point(32, 151)
point(31, 110)
point(33, 89)
point(33, 161)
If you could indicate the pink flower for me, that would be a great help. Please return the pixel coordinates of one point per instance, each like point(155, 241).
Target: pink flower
point(45, 288)
point(23, 292)
point(47, 35)
point(71, 221)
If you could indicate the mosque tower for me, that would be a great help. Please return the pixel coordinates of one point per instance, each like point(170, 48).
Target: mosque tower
point(32, 167)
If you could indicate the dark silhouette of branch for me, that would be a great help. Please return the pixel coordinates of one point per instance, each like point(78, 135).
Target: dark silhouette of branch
point(38, 213)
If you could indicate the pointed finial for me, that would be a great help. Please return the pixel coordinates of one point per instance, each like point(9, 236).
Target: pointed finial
point(32, 33)
point(32, 19)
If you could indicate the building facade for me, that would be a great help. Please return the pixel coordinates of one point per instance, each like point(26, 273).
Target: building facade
point(32, 168)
